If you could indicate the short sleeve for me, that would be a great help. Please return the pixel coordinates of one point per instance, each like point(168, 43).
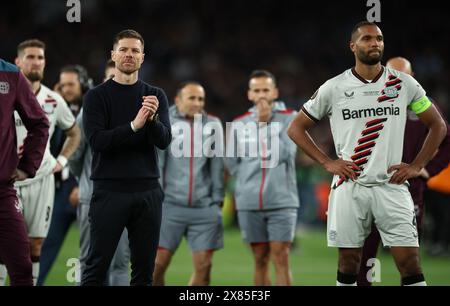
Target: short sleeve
point(319, 105)
point(64, 117)
point(418, 101)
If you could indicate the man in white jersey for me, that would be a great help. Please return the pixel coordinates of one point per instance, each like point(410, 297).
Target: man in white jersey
point(367, 107)
point(37, 194)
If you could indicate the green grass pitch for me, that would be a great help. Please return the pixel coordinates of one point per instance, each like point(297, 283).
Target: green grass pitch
point(312, 263)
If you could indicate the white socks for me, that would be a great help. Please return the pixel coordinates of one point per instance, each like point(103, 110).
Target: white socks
point(35, 272)
point(345, 285)
point(419, 284)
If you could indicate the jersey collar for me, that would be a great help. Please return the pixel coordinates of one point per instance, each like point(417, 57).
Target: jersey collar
point(364, 80)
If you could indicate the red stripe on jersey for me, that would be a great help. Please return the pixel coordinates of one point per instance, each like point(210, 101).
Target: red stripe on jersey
point(362, 154)
point(385, 98)
point(373, 130)
point(368, 138)
point(361, 162)
point(191, 166)
point(393, 82)
point(339, 183)
point(365, 146)
point(263, 179)
point(375, 122)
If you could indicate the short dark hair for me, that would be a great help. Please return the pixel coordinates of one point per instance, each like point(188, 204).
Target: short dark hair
point(184, 84)
point(110, 64)
point(262, 74)
point(30, 43)
point(83, 77)
point(70, 68)
point(360, 25)
point(128, 34)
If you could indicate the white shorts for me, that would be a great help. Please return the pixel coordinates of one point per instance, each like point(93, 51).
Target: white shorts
point(37, 201)
point(353, 208)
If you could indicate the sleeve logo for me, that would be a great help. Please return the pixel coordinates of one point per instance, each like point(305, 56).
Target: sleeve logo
point(4, 88)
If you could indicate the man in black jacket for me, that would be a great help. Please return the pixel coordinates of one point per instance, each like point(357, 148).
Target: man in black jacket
point(125, 120)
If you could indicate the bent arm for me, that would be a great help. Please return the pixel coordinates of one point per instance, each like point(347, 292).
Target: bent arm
point(436, 134)
point(297, 131)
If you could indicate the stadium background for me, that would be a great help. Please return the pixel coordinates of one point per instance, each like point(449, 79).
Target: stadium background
point(219, 43)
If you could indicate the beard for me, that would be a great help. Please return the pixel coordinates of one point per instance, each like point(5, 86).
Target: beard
point(75, 99)
point(367, 59)
point(128, 69)
point(34, 76)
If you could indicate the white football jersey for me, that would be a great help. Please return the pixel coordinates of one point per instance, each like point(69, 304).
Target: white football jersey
point(58, 114)
point(368, 119)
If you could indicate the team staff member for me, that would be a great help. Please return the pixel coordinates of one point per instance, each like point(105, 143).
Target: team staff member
point(194, 191)
point(125, 120)
point(266, 198)
point(80, 166)
point(16, 95)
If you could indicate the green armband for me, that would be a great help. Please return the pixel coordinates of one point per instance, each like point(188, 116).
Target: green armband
point(421, 105)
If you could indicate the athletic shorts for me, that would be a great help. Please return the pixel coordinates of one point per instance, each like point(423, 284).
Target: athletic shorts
point(268, 225)
point(353, 208)
point(37, 201)
point(201, 226)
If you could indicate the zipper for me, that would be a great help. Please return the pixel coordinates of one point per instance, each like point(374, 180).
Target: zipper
point(191, 166)
point(263, 179)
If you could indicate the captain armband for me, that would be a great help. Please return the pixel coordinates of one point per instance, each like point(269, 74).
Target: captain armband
point(420, 106)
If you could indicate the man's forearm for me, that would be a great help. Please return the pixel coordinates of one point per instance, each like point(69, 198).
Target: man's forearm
point(302, 138)
point(72, 141)
point(434, 139)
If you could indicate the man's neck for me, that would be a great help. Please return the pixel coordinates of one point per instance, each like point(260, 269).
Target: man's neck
point(368, 72)
point(126, 79)
point(35, 86)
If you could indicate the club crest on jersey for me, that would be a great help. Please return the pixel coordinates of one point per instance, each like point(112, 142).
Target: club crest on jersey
point(4, 88)
point(391, 92)
point(48, 108)
point(392, 89)
point(49, 105)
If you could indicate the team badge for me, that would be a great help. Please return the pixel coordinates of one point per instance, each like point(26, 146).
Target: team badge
point(4, 88)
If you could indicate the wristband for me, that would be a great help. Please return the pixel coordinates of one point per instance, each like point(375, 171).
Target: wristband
point(62, 160)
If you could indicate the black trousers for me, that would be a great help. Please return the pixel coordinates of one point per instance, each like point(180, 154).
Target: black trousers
point(109, 214)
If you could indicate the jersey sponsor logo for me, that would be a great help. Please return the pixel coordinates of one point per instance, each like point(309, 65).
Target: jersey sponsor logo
point(348, 114)
point(4, 88)
point(350, 95)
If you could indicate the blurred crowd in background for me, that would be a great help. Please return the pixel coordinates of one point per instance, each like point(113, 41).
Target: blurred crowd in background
point(219, 43)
